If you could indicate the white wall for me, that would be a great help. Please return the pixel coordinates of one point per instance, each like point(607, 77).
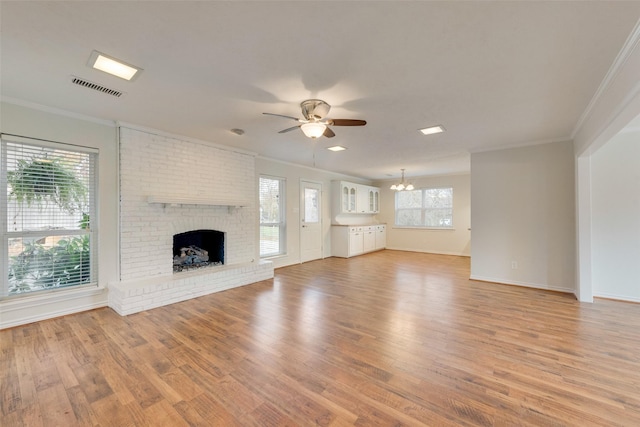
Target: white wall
point(449, 242)
point(615, 184)
point(36, 122)
point(523, 207)
point(293, 174)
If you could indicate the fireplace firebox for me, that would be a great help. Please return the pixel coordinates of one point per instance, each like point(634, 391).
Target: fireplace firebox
point(197, 249)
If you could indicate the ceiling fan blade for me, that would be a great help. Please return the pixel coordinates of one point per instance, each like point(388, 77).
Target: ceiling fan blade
point(286, 117)
point(289, 129)
point(328, 133)
point(347, 122)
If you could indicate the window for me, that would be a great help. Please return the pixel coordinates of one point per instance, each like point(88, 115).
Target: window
point(272, 224)
point(426, 207)
point(47, 210)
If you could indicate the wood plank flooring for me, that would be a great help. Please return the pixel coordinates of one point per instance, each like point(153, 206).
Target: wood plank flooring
point(385, 339)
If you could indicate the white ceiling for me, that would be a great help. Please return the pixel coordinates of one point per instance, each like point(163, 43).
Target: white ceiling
point(495, 74)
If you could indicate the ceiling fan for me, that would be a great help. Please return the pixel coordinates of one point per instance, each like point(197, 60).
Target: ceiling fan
point(315, 123)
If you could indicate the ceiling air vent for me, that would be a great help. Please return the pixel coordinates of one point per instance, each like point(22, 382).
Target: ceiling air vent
point(86, 83)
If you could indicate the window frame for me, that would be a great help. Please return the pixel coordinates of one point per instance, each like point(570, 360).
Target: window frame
point(281, 225)
point(424, 209)
point(92, 208)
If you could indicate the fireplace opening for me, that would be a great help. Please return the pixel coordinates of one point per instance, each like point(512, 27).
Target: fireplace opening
point(197, 249)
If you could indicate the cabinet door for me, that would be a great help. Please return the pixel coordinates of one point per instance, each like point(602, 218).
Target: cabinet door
point(363, 199)
point(352, 199)
point(381, 236)
point(356, 243)
point(372, 201)
point(376, 201)
point(369, 239)
point(344, 199)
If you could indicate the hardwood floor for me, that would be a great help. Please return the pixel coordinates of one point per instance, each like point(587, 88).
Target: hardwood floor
point(389, 338)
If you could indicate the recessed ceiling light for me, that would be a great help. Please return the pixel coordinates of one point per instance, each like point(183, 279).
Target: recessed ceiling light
point(237, 131)
point(336, 148)
point(432, 129)
point(113, 66)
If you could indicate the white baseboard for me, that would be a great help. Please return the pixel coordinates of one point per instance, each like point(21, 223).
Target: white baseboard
point(523, 284)
point(617, 297)
point(428, 252)
point(22, 310)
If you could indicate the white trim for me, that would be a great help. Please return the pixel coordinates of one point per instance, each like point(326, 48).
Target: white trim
point(40, 107)
point(158, 132)
point(379, 182)
point(523, 284)
point(620, 115)
point(39, 142)
point(622, 57)
point(338, 176)
point(50, 304)
point(584, 276)
point(618, 297)
point(391, 248)
point(522, 144)
point(418, 228)
point(119, 208)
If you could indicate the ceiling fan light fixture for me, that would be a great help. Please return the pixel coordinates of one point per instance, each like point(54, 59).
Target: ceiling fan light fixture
point(313, 130)
point(432, 129)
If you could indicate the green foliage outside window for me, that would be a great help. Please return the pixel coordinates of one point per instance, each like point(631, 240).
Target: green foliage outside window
point(52, 261)
point(42, 180)
point(40, 267)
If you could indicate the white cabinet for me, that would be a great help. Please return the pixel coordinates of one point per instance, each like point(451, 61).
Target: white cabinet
point(369, 237)
point(348, 197)
point(381, 236)
point(346, 241)
point(374, 199)
point(368, 199)
point(352, 240)
point(356, 241)
point(351, 198)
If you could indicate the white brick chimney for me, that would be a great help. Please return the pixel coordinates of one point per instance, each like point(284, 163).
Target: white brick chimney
point(170, 185)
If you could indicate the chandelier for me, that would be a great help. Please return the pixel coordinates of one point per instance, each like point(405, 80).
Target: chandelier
point(402, 185)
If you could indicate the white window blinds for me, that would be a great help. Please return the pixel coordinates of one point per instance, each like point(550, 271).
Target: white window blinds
point(272, 223)
point(48, 209)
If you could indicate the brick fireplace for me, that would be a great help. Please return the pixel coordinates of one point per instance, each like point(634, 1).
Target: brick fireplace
point(169, 186)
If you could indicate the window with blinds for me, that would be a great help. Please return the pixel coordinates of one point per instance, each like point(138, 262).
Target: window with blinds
point(272, 221)
point(48, 210)
point(425, 208)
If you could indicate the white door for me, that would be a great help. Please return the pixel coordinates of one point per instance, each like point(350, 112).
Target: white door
point(311, 217)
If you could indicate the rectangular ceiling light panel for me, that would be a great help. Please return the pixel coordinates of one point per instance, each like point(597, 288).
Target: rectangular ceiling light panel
point(433, 129)
point(113, 66)
point(336, 148)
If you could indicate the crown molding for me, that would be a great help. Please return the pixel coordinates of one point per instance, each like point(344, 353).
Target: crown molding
point(627, 50)
point(57, 111)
